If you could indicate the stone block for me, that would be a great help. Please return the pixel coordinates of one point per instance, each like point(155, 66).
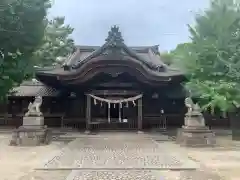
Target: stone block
point(31, 136)
point(33, 122)
point(191, 120)
point(195, 137)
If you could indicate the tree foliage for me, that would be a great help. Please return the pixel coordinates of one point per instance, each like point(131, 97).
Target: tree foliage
point(167, 58)
point(211, 60)
point(22, 24)
point(57, 44)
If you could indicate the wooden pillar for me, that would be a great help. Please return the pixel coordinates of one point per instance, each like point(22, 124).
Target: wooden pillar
point(119, 113)
point(88, 113)
point(140, 115)
point(109, 109)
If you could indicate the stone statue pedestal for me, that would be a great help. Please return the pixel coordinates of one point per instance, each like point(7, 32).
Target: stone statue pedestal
point(33, 122)
point(194, 133)
point(32, 132)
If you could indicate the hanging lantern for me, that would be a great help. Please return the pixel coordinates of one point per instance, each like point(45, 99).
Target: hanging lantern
point(101, 104)
point(114, 105)
point(95, 102)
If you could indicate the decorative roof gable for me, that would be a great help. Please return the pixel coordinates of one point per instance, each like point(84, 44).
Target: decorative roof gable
point(114, 38)
point(115, 45)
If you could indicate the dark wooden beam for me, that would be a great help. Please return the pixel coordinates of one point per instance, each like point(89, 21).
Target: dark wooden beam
point(88, 113)
point(140, 114)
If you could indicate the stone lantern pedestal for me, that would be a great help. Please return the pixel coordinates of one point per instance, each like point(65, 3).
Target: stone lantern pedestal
point(194, 133)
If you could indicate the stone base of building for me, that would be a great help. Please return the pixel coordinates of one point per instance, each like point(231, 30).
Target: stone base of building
point(31, 133)
point(190, 136)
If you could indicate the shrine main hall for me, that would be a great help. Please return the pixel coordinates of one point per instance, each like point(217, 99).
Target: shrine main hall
point(113, 86)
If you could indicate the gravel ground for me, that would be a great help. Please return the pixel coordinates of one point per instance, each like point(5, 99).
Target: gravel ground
point(118, 151)
point(46, 175)
point(15, 162)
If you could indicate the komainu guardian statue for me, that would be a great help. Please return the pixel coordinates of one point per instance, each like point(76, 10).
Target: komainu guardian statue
point(34, 108)
point(192, 108)
point(189, 104)
point(194, 132)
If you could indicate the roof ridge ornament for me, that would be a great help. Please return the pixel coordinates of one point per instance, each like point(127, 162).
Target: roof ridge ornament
point(114, 38)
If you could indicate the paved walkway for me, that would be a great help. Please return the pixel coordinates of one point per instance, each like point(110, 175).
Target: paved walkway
point(122, 156)
point(119, 152)
point(119, 156)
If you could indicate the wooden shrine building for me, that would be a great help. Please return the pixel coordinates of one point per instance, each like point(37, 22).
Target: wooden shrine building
point(109, 87)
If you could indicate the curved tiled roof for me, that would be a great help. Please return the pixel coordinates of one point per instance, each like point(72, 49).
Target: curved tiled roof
point(114, 46)
point(33, 88)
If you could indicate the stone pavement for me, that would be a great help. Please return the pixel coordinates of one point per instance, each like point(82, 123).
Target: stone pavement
point(122, 152)
point(121, 156)
point(17, 163)
point(141, 175)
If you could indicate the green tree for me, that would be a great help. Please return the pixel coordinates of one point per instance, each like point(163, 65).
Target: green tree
point(166, 57)
point(57, 44)
point(174, 57)
point(22, 24)
point(211, 60)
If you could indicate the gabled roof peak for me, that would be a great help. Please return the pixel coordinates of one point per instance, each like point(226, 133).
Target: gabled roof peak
point(114, 38)
point(115, 46)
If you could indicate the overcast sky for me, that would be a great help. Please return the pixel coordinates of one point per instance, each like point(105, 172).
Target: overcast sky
point(142, 22)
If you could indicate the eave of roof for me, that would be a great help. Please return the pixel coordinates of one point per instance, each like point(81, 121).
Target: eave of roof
point(148, 55)
point(33, 88)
